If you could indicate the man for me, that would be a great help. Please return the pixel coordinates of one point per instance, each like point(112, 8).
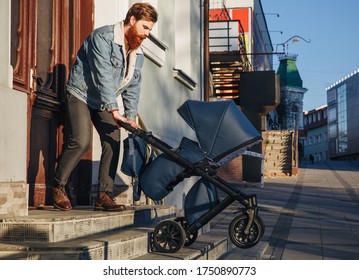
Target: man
point(107, 65)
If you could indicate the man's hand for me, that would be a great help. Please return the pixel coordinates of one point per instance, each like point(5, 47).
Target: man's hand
point(118, 117)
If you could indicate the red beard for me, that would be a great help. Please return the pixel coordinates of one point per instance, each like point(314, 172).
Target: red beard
point(133, 39)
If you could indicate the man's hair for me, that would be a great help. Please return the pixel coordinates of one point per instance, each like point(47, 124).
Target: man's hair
point(142, 11)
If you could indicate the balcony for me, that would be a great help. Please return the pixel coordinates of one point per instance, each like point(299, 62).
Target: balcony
point(228, 58)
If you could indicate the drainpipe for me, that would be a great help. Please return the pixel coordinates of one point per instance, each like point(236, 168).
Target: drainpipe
point(206, 50)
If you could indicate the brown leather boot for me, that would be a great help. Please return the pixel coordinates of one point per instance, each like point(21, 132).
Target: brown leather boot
point(105, 202)
point(60, 199)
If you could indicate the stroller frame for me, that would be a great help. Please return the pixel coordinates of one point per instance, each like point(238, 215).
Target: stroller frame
point(245, 230)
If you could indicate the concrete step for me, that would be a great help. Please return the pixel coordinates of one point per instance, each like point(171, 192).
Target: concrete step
point(124, 243)
point(50, 226)
point(278, 162)
point(131, 242)
point(274, 153)
point(81, 234)
point(208, 246)
point(277, 148)
point(278, 169)
point(112, 245)
point(277, 139)
point(279, 132)
point(277, 173)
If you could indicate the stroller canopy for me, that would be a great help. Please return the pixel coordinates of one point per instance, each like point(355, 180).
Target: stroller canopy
point(220, 126)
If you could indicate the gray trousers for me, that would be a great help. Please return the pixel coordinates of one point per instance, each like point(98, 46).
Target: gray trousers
point(80, 119)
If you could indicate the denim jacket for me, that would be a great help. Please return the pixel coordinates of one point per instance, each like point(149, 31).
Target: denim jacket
point(98, 75)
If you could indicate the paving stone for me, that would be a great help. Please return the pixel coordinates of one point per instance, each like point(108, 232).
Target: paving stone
point(338, 252)
point(295, 251)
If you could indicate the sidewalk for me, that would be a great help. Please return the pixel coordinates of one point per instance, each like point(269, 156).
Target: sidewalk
point(313, 216)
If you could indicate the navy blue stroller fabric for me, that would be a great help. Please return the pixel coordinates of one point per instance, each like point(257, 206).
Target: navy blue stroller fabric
point(221, 128)
point(201, 198)
point(136, 156)
point(223, 132)
point(159, 175)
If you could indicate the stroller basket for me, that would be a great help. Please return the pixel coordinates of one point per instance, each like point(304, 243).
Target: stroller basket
point(223, 133)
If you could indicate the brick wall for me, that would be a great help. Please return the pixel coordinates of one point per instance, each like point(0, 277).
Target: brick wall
point(232, 171)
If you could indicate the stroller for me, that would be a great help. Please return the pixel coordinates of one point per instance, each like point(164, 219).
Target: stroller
point(223, 133)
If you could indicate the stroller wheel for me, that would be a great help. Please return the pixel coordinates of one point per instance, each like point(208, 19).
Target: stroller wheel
point(237, 235)
point(169, 236)
point(191, 237)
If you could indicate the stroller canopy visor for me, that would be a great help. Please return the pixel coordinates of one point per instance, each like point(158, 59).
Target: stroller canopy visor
point(220, 126)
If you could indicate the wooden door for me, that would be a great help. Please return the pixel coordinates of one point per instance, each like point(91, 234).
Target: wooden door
point(46, 35)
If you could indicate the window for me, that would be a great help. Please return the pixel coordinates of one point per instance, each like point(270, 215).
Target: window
point(342, 119)
point(332, 114)
point(331, 97)
point(332, 131)
point(217, 4)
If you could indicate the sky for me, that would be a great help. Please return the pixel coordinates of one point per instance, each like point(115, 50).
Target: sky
point(333, 51)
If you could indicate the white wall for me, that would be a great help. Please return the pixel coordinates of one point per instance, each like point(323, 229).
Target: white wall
point(109, 11)
point(13, 108)
point(161, 93)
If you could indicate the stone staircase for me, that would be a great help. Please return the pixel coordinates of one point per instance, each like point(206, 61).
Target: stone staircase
point(84, 234)
point(278, 153)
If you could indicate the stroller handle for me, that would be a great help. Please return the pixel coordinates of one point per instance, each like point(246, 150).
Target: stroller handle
point(145, 135)
point(130, 128)
point(157, 143)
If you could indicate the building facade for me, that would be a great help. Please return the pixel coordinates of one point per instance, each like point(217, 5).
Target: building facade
point(314, 140)
point(343, 114)
point(40, 41)
point(241, 54)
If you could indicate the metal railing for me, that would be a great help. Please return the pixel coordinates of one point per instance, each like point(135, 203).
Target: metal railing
point(229, 36)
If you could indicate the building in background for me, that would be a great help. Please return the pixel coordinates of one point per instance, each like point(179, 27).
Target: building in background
point(343, 115)
point(292, 92)
point(240, 55)
point(239, 41)
point(313, 143)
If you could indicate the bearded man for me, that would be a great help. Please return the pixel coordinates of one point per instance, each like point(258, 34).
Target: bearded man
point(107, 67)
